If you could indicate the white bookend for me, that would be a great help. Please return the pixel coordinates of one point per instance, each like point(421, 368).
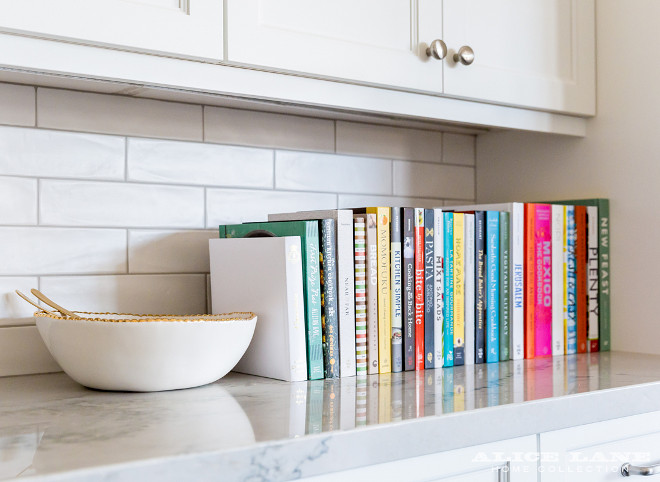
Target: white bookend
point(264, 275)
point(468, 226)
point(439, 284)
point(345, 278)
point(558, 226)
point(517, 290)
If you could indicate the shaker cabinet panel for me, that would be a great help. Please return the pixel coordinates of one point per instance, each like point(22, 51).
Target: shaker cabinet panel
point(188, 28)
point(538, 54)
point(369, 41)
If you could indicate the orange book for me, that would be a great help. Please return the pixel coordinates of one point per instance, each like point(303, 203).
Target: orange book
point(530, 213)
point(581, 276)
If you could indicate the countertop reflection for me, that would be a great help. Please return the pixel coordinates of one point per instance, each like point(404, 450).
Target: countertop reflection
point(50, 424)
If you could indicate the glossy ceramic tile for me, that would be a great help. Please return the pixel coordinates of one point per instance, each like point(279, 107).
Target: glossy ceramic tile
point(114, 114)
point(433, 180)
point(357, 200)
point(111, 204)
point(152, 251)
point(332, 173)
point(18, 198)
point(18, 105)
point(47, 153)
point(13, 310)
point(45, 251)
point(196, 163)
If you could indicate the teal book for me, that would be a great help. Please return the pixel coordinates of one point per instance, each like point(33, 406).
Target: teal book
point(309, 238)
point(492, 286)
point(505, 292)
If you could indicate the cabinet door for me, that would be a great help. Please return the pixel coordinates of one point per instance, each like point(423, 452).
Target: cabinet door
point(481, 463)
point(190, 28)
point(595, 452)
point(538, 54)
point(370, 41)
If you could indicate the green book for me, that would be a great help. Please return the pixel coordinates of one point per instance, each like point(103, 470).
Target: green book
point(505, 291)
point(309, 238)
point(603, 206)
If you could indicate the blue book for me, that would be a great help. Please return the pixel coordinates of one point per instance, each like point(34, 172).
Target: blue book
point(429, 292)
point(448, 335)
point(492, 286)
point(480, 289)
point(571, 282)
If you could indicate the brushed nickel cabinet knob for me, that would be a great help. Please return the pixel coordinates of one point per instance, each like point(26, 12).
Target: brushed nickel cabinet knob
point(437, 49)
point(465, 55)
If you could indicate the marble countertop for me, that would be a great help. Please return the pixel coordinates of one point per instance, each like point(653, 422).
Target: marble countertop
point(251, 428)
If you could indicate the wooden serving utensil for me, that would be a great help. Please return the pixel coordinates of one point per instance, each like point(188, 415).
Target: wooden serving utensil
point(49, 302)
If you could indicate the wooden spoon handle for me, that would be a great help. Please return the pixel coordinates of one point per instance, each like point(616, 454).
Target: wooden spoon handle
point(29, 300)
point(52, 304)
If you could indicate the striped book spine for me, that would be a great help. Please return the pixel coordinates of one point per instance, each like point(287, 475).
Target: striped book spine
point(360, 295)
point(372, 295)
point(571, 293)
point(543, 286)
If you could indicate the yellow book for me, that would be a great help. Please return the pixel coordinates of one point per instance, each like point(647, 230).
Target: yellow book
point(384, 300)
point(384, 398)
point(459, 290)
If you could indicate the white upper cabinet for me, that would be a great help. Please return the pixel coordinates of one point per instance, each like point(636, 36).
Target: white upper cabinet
point(368, 41)
point(537, 54)
point(532, 54)
point(181, 28)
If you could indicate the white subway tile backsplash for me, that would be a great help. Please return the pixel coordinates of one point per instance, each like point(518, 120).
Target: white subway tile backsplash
point(433, 180)
point(155, 294)
point(229, 206)
point(14, 310)
point(39, 250)
point(46, 153)
point(251, 128)
point(22, 351)
point(113, 204)
point(152, 251)
point(458, 149)
point(195, 163)
point(391, 142)
point(114, 114)
point(358, 200)
point(18, 200)
point(18, 105)
point(307, 171)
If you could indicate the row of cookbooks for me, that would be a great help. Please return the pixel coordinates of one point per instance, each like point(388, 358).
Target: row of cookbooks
point(402, 289)
point(345, 403)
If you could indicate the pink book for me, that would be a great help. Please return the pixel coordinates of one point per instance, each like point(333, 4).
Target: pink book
point(543, 288)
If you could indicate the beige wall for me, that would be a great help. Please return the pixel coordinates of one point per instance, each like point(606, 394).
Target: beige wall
point(619, 159)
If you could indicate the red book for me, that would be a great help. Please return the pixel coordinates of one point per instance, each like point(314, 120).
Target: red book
point(419, 289)
point(581, 276)
point(530, 214)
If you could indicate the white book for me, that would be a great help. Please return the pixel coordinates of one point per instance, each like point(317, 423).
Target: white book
point(274, 292)
point(517, 290)
point(297, 409)
point(345, 278)
point(468, 227)
point(439, 285)
point(592, 277)
point(347, 399)
point(558, 226)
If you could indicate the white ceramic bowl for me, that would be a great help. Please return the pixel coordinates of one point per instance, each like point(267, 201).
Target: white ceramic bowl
point(147, 353)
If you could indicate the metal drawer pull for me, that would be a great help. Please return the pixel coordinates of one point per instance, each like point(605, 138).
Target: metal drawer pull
point(627, 470)
point(437, 49)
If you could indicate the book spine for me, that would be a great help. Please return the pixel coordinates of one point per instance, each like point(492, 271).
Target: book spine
point(372, 294)
point(314, 407)
point(345, 292)
point(459, 289)
point(384, 306)
point(558, 228)
point(429, 290)
point(329, 320)
point(480, 295)
point(360, 295)
point(543, 286)
point(419, 289)
point(581, 276)
point(592, 279)
point(384, 398)
point(604, 274)
point(530, 270)
point(330, 416)
point(313, 301)
point(439, 285)
point(469, 289)
point(492, 286)
point(517, 281)
point(396, 263)
point(298, 350)
point(571, 294)
point(448, 336)
point(409, 288)
point(505, 294)
point(361, 401)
